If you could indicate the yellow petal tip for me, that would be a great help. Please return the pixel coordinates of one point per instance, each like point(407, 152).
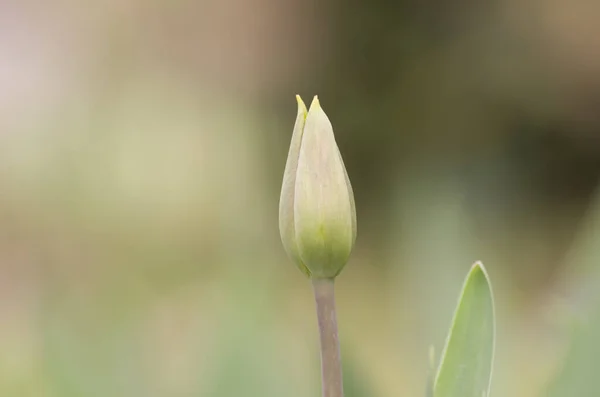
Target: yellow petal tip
point(301, 106)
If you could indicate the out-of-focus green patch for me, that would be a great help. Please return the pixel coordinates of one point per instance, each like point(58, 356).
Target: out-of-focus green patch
point(577, 374)
point(355, 382)
point(91, 344)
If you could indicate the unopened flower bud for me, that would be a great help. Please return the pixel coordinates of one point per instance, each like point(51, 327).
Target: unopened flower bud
point(317, 216)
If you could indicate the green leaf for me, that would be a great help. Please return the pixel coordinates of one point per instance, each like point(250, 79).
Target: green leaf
point(466, 364)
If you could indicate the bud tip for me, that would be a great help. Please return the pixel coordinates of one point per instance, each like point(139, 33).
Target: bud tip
point(301, 106)
point(315, 103)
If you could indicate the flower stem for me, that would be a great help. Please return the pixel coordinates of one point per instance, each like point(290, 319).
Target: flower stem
point(331, 365)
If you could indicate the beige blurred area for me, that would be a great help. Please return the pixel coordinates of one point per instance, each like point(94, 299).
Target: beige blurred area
point(142, 145)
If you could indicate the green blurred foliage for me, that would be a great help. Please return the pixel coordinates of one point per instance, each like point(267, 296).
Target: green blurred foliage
point(576, 373)
point(141, 152)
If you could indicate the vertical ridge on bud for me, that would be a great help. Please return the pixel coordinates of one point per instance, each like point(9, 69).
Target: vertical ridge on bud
point(351, 197)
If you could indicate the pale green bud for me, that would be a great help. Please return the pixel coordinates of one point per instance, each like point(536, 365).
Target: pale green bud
point(317, 216)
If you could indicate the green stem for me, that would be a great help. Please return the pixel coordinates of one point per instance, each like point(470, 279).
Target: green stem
point(331, 364)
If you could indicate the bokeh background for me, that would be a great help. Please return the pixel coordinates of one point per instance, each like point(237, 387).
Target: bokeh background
point(142, 146)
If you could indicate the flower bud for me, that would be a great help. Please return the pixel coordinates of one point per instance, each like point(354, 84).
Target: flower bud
point(317, 216)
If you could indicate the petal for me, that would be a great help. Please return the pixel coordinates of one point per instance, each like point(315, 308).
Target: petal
point(323, 210)
point(286, 202)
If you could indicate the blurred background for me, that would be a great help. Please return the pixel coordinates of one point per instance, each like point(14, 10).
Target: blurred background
point(142, 146)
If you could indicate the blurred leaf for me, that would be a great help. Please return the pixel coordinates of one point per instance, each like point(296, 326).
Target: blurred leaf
point(579, 374)
point(466, 364)
point(430, 373)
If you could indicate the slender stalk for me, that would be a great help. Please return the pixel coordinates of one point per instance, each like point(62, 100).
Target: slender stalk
point(331, 364)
